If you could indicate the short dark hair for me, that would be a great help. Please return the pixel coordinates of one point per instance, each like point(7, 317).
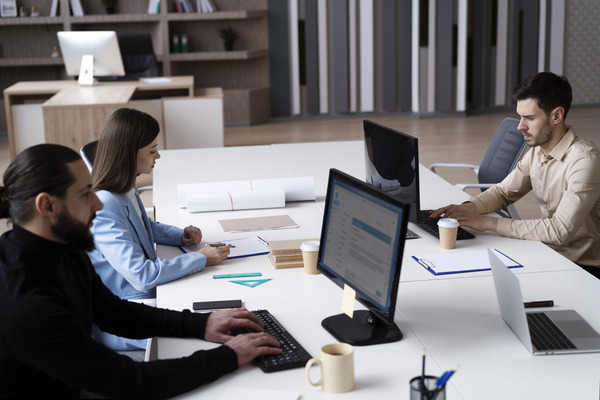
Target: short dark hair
point(38, 169)
point(126, 131)
point(550, 91)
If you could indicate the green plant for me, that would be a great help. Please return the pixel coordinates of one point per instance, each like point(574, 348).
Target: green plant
point(228, 34)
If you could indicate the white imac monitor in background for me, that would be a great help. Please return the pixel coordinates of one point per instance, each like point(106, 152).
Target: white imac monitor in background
point(91, 53)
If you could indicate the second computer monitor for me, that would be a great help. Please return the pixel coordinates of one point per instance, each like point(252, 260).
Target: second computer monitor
point(392, 164)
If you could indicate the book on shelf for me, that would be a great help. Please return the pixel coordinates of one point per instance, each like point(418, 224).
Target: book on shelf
point(186, 6)
point(54, 8)
point(76, 8)
point(205, 6)
point(153, 6)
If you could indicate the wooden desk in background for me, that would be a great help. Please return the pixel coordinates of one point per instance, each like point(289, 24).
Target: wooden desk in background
point(74, 115)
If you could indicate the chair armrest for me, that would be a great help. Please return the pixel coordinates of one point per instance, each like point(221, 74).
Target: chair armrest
point(464, 186)
point(475, 168)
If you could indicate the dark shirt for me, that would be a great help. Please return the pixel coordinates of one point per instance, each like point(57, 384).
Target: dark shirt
point(50, 296)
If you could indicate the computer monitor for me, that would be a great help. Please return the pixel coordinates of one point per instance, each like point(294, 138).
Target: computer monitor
point(362, 241)
point(392, 164)
point(91, 53)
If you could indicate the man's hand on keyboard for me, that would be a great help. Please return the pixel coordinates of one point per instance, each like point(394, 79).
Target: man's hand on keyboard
point(219, 323)
point(248, 346)
point(467, 215)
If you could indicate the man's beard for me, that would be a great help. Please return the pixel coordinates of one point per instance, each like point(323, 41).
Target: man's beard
point(75, 233)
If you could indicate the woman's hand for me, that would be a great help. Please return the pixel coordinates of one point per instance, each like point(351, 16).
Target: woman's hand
point(215, 254)
point(191, 235)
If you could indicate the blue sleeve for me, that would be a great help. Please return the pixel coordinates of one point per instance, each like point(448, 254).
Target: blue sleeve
point(118, 246)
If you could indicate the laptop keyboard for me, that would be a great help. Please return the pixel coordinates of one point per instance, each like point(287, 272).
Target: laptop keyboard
point(430, 225)
point(545, 335)
point(293, 355)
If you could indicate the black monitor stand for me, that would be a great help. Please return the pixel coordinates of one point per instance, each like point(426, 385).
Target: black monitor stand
point(362, 330)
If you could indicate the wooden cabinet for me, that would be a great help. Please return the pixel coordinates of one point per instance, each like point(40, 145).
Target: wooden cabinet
point(26, 45)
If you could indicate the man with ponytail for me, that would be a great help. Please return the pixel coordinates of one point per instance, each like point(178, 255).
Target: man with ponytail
point(50, 296)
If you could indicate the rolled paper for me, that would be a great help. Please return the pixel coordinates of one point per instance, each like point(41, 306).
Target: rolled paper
point(228, 201)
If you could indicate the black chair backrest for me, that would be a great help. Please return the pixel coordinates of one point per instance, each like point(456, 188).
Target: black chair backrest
point(88, 152)
point(138, 55)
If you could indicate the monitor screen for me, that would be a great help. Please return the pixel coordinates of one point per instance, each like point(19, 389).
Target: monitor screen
point(362, 242)
point(91, 53)
point(392, 164)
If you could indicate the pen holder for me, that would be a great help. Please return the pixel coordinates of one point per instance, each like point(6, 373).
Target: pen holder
point(426, 389)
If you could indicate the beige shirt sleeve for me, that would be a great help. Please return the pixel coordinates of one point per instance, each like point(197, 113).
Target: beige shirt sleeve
point(566, 190)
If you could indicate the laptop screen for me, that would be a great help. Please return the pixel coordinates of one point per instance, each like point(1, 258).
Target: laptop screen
point(392, 164)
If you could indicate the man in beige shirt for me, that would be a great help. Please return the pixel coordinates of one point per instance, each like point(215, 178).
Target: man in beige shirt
point(562, 170)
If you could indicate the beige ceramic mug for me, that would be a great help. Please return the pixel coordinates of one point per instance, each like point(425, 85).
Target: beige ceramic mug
point(337, 368)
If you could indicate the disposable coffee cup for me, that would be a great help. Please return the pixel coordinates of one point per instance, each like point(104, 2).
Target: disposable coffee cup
point(310, 252)
point(448, 229)
point(337, 368)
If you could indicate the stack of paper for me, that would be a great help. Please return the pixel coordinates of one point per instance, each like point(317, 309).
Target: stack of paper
point(286, 253)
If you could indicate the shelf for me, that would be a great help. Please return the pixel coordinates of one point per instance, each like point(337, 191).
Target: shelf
point(115, 18)
point(217, 15)
point(31, 21)
point(30, 62)
point(27, 42)
point(219, 55)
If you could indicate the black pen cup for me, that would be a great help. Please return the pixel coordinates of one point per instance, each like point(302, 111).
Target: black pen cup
point(425, 388)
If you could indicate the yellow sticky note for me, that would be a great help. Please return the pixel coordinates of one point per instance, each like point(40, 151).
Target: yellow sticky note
point(348, 301)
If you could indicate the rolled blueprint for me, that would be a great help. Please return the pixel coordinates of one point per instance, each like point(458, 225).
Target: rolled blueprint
point(295, 188)
point(241, 200)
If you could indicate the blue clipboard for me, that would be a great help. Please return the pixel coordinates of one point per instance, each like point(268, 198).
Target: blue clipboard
point(456, 262)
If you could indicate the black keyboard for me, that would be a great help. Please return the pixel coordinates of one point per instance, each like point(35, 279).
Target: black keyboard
point(430, 225)
point(292, 354)
point(545, 335)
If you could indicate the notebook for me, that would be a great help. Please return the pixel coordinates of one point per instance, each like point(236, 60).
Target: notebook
point(573, 335)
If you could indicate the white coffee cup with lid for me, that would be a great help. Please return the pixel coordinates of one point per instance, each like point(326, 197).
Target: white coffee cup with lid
point(310, 252)
point(448, 229)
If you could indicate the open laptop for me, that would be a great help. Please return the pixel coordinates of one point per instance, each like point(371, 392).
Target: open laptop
point(567, 330)
point(392, 166)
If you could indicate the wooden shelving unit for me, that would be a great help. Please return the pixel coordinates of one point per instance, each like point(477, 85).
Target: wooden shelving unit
point(26, 44)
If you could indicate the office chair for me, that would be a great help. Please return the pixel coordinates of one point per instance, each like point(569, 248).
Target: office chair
point(138, 55)
point(499, 160)
point(88, 153)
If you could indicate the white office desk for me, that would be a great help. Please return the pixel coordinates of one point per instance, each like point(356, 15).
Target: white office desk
point(426, 303)
point(299, 301)
point(315, 159)
point(459, 321)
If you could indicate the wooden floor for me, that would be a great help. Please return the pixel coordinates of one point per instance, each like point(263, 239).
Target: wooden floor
point(451, 139)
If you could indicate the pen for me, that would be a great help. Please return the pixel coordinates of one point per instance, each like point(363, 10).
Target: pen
point(219, 245)
point(540, 303)
point(242, 275)
point(442, 380)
